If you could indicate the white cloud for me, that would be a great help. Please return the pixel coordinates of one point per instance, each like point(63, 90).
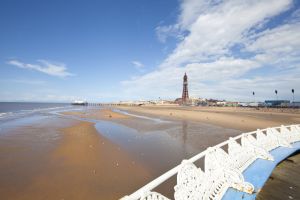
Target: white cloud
point(163, 32)
point(283, 39)
point(138, 65)
point(221, 26)
point(210, 29)
point(53, 69)
point(191, 9)
point(279, 46)
point(189, 12)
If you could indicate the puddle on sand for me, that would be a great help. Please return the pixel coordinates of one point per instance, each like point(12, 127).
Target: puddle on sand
point(158, 120)
point(7, 125)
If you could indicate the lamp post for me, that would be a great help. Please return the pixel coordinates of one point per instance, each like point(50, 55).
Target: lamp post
point(276, 94)
point(293, 91)
point(253, 93)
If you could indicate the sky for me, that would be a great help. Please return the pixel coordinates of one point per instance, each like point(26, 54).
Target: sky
point(112, 50)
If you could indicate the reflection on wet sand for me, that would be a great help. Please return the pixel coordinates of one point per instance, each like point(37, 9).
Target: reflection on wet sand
point(184, 136)
point(157, 144)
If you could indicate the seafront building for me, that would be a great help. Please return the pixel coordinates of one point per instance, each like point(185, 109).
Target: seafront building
point(284, 103)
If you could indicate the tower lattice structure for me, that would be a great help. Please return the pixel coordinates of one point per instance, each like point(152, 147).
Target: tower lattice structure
point(185, 92)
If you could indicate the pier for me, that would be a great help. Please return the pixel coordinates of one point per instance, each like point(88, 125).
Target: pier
point(111, 104)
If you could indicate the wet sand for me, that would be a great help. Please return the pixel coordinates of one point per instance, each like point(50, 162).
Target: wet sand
point(235, 118)
point(160, 145)
point(190, 131)
point(100, 114)
point(79, 165)
point(23, 152)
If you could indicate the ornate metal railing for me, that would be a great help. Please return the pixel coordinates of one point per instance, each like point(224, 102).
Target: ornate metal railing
point(222, 169)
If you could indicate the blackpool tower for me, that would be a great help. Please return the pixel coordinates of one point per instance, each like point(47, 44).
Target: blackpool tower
point(185, 92)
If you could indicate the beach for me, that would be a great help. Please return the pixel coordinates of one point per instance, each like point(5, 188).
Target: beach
point(79, 165)
point(245, 119)
point(109, 152)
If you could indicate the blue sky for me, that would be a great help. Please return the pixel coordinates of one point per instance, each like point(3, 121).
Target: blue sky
point(125, 50)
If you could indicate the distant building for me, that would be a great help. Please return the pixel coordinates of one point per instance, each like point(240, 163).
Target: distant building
point(284, 103)
point(194, 101)
point(231, 103)
point(212, 102)
point(221, 103)
point(243, 104)
point(295, 104)
point(178, 101)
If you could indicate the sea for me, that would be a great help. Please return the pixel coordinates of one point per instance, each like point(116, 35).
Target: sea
point(17, 109)
point(16, 114)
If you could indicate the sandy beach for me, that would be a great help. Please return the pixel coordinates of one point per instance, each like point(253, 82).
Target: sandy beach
point(244, 119)
point(160, 142)
point(79, 165)
point(107, 153)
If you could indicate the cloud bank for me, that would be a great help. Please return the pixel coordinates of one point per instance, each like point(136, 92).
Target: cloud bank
point(228, 49)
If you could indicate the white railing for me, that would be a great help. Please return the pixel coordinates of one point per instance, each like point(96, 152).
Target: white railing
point(222, 169)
